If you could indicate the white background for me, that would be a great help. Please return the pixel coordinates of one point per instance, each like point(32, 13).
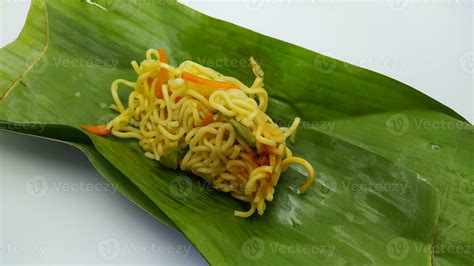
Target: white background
point(427, 44)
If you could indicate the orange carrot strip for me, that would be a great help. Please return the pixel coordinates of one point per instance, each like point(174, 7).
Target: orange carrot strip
point(162, 76)
point(163, 58)
point(207, 119)
point(99, 130)
point(272, 159)
point(207, 82)
point(158, 91)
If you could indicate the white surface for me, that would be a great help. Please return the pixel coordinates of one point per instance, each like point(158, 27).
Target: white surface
point(56, 209)
point(426, 44)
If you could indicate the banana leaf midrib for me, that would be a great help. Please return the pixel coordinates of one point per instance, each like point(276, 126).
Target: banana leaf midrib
point(39, 56)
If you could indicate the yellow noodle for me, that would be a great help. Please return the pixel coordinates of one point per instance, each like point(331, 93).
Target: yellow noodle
point(217, 152)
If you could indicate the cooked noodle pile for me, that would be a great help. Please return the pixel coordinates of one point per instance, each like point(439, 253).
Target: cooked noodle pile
point(197, 120)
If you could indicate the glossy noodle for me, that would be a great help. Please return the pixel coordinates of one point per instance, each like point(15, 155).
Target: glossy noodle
point(194, 119)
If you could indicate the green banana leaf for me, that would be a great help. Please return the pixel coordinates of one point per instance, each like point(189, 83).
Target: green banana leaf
point(394, 173)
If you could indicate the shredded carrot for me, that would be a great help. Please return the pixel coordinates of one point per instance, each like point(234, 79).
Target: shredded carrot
point(150, 82)
point(99, 130)
point(162, 76)
point(272, 158)
point(207, 119)
point(163, 58)
point(207, 82)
